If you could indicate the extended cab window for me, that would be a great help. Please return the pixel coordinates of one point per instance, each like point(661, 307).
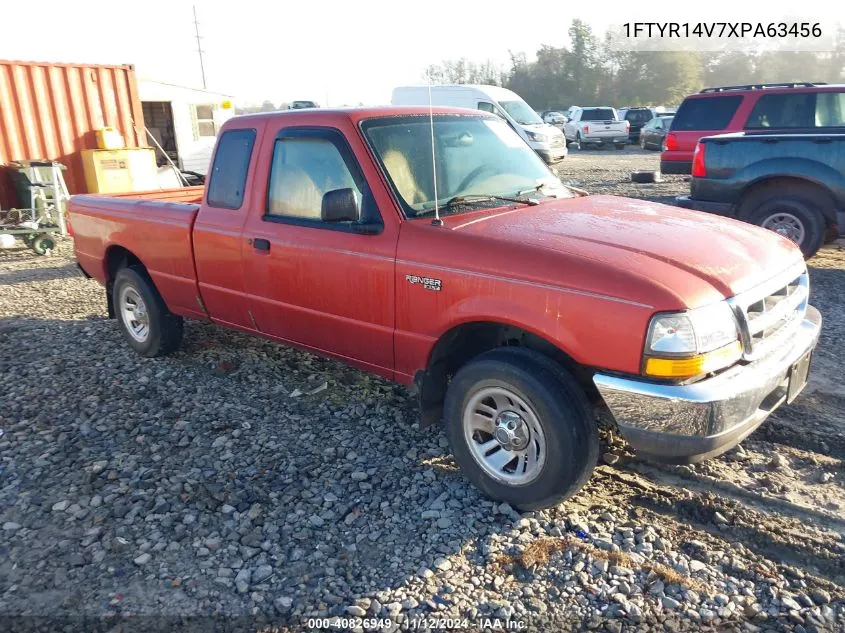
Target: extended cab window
point(706, 113)
point(308, 164)
point(227, 180)
point(783, 111)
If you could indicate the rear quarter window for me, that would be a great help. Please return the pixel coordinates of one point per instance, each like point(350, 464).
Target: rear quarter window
point(783, 111)
point(227, 179)
point(706, 113)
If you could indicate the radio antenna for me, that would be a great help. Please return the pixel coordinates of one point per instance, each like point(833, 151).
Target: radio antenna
point(436, 221)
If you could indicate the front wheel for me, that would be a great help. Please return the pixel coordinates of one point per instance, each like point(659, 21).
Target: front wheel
point(519, 427)
point(146, 323)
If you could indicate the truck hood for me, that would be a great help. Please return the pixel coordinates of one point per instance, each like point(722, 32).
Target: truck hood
point(688, 253)
point(543, 128)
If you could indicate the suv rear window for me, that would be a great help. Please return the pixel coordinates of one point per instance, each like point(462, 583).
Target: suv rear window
point(597, 114)
point(706, 113)
point(638, 116)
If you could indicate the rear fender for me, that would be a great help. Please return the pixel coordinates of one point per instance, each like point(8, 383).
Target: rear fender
point(812, 172)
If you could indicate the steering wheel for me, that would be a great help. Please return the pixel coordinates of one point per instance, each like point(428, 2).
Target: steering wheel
point(473, 175)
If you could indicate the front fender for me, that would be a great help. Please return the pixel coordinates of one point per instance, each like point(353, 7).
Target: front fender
point(594, 330)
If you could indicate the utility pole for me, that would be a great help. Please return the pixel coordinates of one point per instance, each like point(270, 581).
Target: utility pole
point(199, 46)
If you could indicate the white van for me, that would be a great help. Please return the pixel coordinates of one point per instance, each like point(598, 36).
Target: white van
point(547, 140)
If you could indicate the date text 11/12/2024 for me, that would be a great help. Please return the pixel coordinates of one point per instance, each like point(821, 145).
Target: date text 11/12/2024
point(421, 623)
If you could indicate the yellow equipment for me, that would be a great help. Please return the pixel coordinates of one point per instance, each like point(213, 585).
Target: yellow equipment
point(119, 170)
point(110, 138)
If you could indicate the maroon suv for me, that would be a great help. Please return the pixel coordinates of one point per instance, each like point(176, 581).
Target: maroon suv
point(761, 108)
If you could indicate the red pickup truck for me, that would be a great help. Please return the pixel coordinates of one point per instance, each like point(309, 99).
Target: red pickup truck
point(440, 252)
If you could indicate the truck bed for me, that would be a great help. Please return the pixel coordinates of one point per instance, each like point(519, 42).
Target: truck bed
point(154, 226)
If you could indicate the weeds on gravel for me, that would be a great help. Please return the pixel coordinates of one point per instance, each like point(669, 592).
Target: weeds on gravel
point(537, 553)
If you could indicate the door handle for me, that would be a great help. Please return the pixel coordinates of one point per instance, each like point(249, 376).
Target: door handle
point(260, 244)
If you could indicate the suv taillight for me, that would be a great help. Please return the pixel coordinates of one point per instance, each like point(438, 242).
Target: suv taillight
point(670, 143)
point(699, 170)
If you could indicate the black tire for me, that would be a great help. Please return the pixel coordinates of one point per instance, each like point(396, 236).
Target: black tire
point(572, 444)
point(643, 177)
point(802, 203)
point(43, 244)
point(619, 145)
point(164, 330)
point(578, 141)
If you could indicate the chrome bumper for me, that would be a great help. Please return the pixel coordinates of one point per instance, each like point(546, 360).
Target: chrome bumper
point(690, 423)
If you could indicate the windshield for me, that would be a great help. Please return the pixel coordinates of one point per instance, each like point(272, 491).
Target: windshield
point(475, 156)
point(598, 114)
point(521, 112)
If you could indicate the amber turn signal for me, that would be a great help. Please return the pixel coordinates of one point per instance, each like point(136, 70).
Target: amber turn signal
point(695, 366)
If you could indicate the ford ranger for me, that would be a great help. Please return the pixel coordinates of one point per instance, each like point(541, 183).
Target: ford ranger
point(438, 250)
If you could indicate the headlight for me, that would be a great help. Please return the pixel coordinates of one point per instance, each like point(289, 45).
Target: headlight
point(687, 344)
point(537, 138)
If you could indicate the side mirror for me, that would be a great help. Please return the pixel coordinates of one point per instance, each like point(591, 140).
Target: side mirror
point(340, 205)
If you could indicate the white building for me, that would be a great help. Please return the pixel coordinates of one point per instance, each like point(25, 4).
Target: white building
point(184, 121)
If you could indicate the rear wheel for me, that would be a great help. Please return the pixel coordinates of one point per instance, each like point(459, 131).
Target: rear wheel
point(520, 428)
point(43, 244)
point(791, 210)
point(147, 325)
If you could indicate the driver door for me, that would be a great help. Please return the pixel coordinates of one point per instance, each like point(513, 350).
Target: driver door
point(327, 286)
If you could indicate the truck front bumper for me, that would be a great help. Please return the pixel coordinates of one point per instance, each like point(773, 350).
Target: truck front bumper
point(691, 423)
point(552, 155)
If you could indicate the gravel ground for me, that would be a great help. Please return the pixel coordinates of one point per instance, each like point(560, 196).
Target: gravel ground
point(223, 481)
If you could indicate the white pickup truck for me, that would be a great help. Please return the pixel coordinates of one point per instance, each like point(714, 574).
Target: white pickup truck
point(595, 126)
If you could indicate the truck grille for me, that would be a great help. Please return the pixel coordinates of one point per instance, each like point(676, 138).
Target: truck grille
point(770, 313)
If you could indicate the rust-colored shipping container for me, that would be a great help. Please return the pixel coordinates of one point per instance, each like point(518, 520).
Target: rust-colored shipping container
point(52, 111)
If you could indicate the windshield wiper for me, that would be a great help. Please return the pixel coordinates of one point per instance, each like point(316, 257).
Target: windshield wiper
point(481, 197)
point(472, 199)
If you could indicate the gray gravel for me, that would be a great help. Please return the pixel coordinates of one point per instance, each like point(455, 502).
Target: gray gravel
point(212, 483)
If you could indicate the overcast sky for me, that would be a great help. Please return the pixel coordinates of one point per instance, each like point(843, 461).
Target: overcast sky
point(337, 50)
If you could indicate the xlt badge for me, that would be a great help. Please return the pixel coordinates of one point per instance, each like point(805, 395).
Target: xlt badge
point(428, 282)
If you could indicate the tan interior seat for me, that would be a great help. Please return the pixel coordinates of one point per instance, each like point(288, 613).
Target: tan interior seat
point(400, 172)
point(293, 193)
